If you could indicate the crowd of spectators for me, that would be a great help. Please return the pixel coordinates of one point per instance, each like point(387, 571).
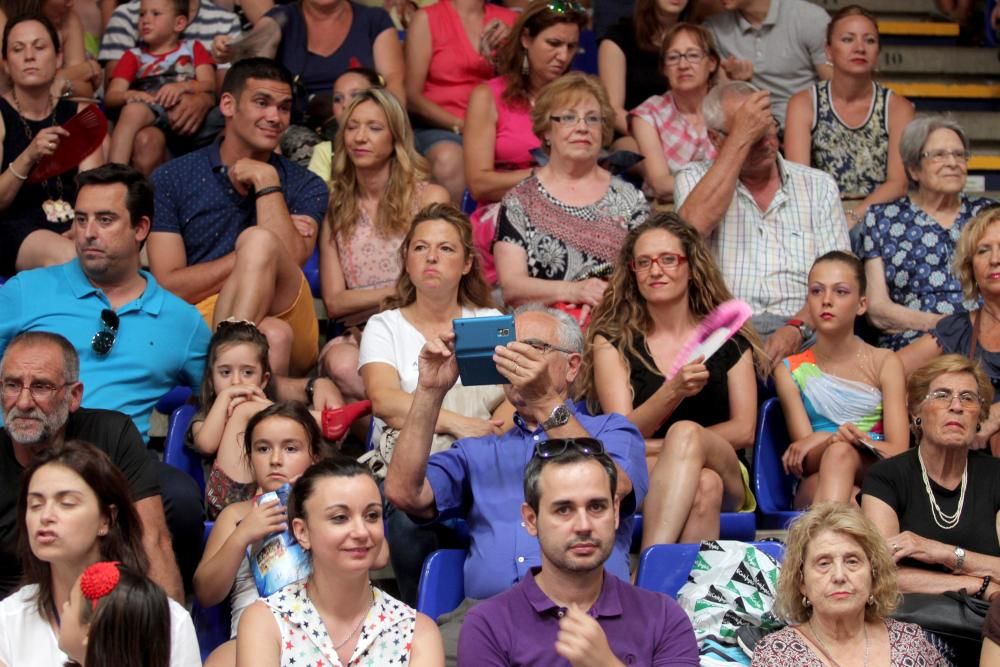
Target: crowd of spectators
point(171, 254)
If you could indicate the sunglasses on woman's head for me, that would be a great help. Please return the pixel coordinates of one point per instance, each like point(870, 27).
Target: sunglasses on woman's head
point(566, 7)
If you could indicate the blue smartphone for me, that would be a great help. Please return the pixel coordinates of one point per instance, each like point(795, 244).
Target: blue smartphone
point(475, 339)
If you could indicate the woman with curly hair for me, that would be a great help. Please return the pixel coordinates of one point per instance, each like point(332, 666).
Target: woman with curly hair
point(664, 284)
point(378, 183)
point(837, 588)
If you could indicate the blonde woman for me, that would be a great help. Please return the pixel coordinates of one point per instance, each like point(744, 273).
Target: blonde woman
point(378, 183)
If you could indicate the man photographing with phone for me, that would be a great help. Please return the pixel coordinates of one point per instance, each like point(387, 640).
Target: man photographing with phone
point(480, 479)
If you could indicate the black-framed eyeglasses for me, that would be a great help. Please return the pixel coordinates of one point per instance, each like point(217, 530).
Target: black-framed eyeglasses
point(694, 56)
point(566, 6)
point(544, 347)
point(40, 391)
point(104, 340)
point(548, 449)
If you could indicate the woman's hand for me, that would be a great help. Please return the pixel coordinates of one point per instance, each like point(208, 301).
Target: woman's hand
point(436, 364)
point(45, 143)
point(795, 455)
point(495, 33)
point(261, 521)
point(910, 545)
point(588, 292)
point(470, 427)
point(690, 379)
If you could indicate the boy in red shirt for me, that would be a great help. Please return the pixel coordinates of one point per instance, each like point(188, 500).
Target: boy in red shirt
point(150, 79)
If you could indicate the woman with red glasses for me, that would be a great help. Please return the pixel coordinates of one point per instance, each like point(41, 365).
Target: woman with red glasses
point(664, 284)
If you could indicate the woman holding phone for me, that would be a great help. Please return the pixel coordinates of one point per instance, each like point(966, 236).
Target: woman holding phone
point(441, 281)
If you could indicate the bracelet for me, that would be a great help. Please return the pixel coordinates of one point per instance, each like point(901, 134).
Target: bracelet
point(263, 192)
point(853, 215)
point(10, 168)
point(310, 389)
point(982, 589)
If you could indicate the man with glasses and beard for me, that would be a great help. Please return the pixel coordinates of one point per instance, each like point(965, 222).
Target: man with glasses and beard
point(41, 390)
point(570, 609)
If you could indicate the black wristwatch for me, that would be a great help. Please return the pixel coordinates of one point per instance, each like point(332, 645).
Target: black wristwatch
point(310, 390)
point(559, 417)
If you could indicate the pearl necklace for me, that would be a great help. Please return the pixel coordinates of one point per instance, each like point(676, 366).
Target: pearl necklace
point(826, 651)
point(946, 521)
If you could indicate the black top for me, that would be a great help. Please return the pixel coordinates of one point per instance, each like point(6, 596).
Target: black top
point(897, 482)
point(28, 203)
point(708, 407)
point(643, 73)
point(954, 334)
point(112, 432)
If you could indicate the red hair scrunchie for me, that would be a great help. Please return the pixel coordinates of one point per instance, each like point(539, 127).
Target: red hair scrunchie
point(99, 579)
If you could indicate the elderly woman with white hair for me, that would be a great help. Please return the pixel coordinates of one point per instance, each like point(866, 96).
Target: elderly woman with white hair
point(907, 244)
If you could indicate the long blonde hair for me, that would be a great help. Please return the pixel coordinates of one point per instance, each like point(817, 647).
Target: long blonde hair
point(406, 169)
point(622, 317)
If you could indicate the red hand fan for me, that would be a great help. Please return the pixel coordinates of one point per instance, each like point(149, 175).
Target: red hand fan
point(713, 331)
point(87, 130)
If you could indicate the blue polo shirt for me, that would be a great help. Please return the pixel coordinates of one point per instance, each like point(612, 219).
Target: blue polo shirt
point(195, 198)
point(482, 480)
point(519, 628)
point(162, 341)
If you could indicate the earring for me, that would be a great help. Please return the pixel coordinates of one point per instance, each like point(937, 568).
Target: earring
point(524, 65)
point(979, 427)
point(871, 600)
point(917, 421)
point(805, 602)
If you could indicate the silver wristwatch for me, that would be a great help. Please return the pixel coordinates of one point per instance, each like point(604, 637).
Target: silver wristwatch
point(559, 417)
point(959, 558)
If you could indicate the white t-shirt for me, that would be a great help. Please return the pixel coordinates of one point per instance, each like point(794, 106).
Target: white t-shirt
point(389, 338)
point(27, 639)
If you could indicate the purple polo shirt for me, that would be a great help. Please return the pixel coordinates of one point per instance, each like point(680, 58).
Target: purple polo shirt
point(482, 480)
point(520, 626)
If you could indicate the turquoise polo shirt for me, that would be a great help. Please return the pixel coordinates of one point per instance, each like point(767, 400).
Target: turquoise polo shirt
point(162, 341)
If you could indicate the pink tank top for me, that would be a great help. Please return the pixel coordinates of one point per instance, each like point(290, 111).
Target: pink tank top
point(456, 66)
point(515, 140)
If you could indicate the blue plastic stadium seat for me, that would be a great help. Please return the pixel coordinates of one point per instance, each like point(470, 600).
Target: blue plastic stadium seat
point(586, 58)
point(311, 271)
point(211, 624)
point(665, 567)
point(734, 526)
point(172, 400)
point(772, 486)
point(442, 582)
point(468, 203)
point(176, 453)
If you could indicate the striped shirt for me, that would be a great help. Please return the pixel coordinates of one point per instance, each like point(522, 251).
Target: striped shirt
point(122, 32)
point(765, 257)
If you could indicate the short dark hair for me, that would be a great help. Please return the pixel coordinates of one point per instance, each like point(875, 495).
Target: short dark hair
point(182, 7)
point(533, 472)
point(265, 69)
point(71, 358)
point(139, 191)
point(31, 16)
point(337, 465)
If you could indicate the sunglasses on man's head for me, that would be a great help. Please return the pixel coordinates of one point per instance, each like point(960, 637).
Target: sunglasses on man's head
point(104, 340)
point(549, 449)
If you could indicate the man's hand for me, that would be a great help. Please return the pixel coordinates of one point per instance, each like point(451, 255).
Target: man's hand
point(753, 118)
point(437, 367)
point(784, 342)
point(138, 96)
point(247, 174)
point(171, 93)
point(189, 113)
point(582, 641)
point(736, 69)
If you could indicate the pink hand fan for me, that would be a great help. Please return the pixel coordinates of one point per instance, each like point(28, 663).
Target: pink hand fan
point(87, 130)
point(720, 325)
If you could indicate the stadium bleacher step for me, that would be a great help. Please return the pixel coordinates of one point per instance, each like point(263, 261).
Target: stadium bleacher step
point(974, 62)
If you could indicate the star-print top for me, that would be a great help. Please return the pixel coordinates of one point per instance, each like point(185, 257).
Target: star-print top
point(386, 636)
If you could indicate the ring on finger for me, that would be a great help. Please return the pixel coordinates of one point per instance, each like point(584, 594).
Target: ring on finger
point(517, 368)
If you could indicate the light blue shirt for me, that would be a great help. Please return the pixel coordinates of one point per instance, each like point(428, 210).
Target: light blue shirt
point(162, 341)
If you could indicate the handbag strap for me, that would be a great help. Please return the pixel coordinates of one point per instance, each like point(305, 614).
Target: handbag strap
point(975, 336)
